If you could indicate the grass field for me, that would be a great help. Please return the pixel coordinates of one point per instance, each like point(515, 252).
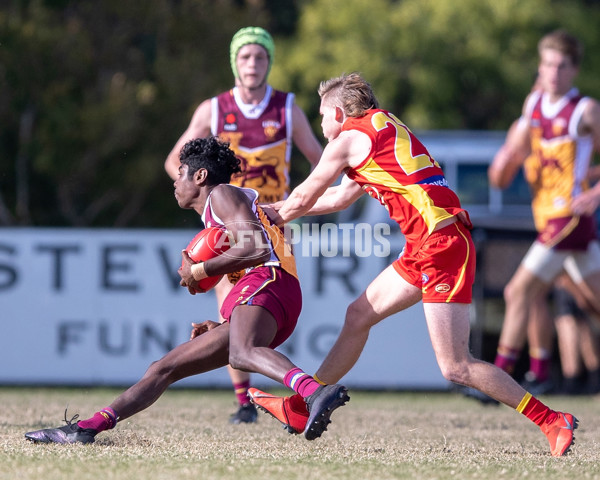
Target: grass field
point(381, 435)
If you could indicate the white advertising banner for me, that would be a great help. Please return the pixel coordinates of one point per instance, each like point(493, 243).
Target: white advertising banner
point(97, 306)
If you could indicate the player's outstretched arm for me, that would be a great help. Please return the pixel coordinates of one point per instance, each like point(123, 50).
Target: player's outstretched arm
point(347, 150)
point(337, 198)
point(304, 137)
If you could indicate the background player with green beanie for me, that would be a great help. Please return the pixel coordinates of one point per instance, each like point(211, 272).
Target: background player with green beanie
point(260, 124)
point(247, 36)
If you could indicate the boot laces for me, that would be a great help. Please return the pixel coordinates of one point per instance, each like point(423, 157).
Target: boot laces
point(73, 418)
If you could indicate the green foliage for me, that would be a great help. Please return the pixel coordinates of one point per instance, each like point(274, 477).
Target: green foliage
point(95, 94)
point(437, 63)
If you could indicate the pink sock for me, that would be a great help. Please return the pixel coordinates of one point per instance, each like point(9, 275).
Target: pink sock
point(241, 392)
point(301, 382)
point(540, 367)
point(506, 358)
point(105, 419)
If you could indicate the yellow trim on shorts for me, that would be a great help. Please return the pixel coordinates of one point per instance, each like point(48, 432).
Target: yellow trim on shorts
point(264, 284)
point(464, 267)
point(564, 233)
point(524, 402)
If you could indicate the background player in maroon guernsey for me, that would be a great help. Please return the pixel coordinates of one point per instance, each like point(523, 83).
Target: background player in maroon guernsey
point(553, 141)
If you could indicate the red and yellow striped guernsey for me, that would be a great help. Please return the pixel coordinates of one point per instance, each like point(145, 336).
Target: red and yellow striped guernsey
point(402, 175)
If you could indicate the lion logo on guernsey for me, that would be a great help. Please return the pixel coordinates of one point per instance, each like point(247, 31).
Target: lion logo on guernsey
point(442, 288)
point(271, 127)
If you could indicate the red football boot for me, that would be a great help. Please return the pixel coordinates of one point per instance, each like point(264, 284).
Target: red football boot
point(290, 411)
point(560, 433)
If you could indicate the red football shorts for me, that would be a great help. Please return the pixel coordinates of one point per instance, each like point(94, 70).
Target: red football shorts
point(275, 290)
point(443, 267)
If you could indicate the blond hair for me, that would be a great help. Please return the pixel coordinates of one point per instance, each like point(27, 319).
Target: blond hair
point(350, 92)
point(565, 43)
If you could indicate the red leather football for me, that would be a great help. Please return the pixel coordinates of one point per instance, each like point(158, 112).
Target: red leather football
point(208, 243)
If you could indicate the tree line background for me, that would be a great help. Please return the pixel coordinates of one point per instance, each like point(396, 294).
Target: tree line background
point(93, 95)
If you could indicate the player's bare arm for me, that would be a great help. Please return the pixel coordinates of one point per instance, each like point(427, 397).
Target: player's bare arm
point(199, 127)
point(511, 156)
point(594, 173)
point(274, 206)
point(587, 202)
point(337, 198)
point(250, 247)
point(334, 199)
point(590, 122)
point(348, 149)
point(304, 138)
point(271, 211)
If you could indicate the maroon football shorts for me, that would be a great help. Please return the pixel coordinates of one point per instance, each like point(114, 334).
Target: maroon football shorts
point(275, 290)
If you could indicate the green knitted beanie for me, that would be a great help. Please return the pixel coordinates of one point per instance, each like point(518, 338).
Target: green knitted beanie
point(249, 35)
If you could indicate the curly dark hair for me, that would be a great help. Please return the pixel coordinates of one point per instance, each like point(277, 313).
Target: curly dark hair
point(212, 154)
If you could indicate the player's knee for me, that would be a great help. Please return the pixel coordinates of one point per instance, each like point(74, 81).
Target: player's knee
point(235, 361)
point(508, 292)
point(455, 372)
point(160, 368)
point(239, 358)
point(512, 292)
point(357, 318)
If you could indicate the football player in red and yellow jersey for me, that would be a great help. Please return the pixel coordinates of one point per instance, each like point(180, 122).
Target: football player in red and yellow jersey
point(380, 155)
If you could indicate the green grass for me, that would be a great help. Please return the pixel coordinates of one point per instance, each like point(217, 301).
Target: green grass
point(381, 435)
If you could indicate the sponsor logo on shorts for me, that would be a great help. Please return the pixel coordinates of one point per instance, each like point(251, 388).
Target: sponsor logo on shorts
point(442, 288)
point(424, 278)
